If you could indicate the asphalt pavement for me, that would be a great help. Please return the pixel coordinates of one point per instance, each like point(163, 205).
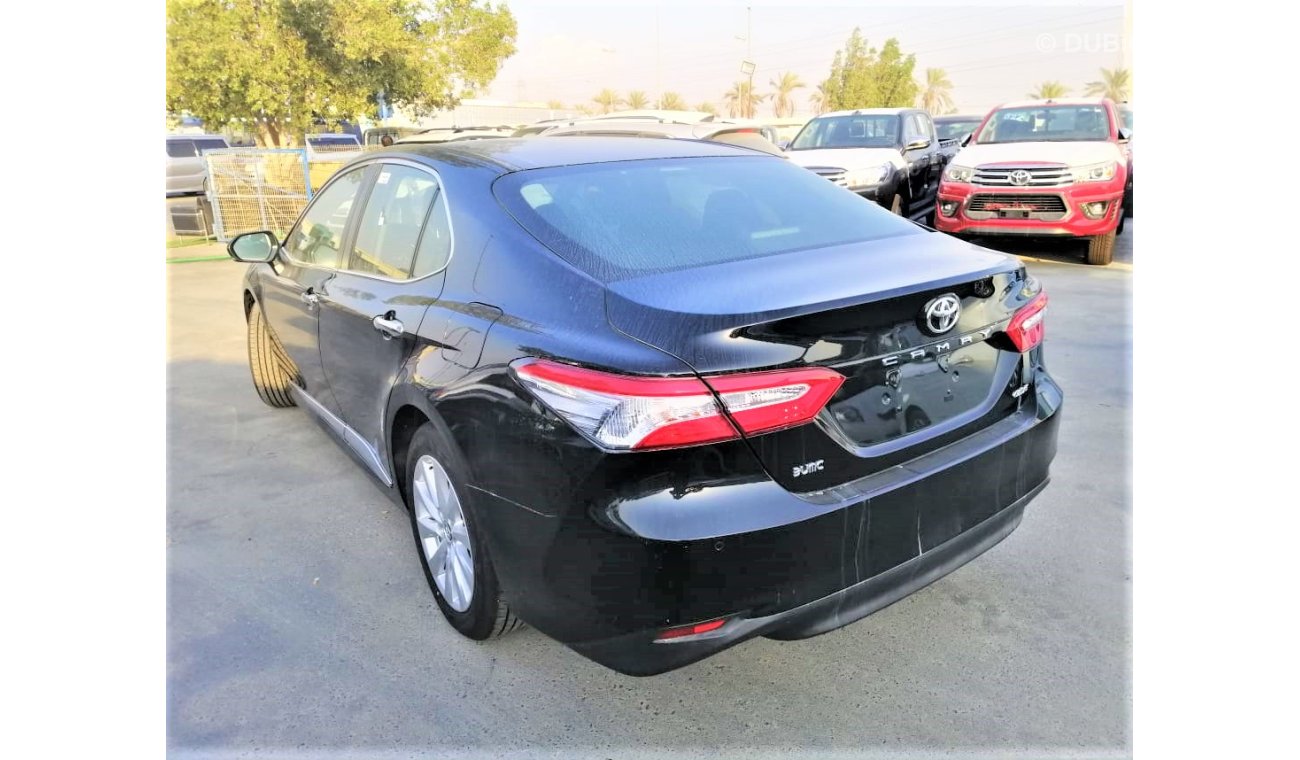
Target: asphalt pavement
point(299, 624)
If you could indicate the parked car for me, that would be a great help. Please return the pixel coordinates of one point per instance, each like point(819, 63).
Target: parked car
point(745, 136)
point(451, 134)
point(890, 155)
point(374, 136)
point(611, 380)
point(1054, 168)
point(956, 126)
point(785, 128)
point(187, 172)
point(332, 146)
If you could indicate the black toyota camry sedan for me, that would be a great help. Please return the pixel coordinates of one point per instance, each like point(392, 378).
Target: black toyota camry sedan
point(656, 397)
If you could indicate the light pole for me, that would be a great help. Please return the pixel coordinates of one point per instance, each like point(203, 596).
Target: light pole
point(747, 67)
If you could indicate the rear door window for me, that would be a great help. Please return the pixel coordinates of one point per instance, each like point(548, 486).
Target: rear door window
point(390, 226)
point(627, 218)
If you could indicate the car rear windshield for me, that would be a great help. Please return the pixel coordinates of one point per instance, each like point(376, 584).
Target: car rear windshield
point(851, 131)
point(1046, 123)
point(628, 218)
point(949, 129)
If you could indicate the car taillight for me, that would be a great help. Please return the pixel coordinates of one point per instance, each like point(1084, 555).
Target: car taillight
point(1026, 327)
point(624, 412)
point(684, 632)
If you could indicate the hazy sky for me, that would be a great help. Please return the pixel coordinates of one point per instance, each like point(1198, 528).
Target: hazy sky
point(992, 51)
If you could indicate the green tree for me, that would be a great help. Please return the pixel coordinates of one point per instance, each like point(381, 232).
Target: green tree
point(863, 77)
point(607, 99)
point(936, 98)
point(741, 100)
point(1049, 90)
point(1115, 84)
point(783, 93)
point(636, 100)
point(707, 107)
point(555, 105)
point(671, 101)
point(290, 63)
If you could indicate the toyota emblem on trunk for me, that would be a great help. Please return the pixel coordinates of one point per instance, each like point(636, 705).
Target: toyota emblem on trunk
point(1019, 177)
point(941, 314)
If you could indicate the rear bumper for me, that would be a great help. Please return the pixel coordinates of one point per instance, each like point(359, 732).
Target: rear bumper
point(1072, 223)
point(639, 655)
point(701, 538)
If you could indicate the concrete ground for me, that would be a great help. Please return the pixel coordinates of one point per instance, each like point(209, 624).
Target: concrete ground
point(299, 623)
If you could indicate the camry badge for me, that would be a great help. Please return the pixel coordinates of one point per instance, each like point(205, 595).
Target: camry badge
point(941, 314)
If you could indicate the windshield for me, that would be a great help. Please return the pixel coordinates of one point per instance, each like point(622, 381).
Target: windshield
point(627, 218)
point(1046, 123)
point(947, 130)
point(333, 142)
point(852, 131)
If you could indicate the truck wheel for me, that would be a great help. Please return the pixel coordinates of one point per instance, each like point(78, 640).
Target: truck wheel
point(896, 206)
point(273, 370)
point(1101, 248)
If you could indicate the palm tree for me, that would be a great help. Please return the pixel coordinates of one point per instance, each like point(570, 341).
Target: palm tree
point(555, 105)
point(817, 99)
point(936, 98)
point(741, 100)
point(1114, 84)
point(671, 101)
point(707, 107)
point(783, 101)
point(636, 100)
point(1049, 90)
point(606, 99)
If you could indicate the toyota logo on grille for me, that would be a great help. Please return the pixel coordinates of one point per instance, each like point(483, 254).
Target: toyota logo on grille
point(1020, 177)
point(941, 314)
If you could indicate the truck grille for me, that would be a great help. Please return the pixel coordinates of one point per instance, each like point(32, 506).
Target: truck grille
point(1038, 176)
point(1015, 206)
point(832, 173)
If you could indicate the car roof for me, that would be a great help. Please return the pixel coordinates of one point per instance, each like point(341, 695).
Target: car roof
point(866, 112)
point(960, 117)
point(1053, 102)
point(518, 153)
point(204, 136)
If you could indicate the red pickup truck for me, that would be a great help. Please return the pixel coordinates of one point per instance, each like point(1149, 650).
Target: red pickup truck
point(1052, 168)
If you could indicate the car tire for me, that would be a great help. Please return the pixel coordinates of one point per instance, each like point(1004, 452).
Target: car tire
point(435, 467)
point(1119, 228)
point(1101, 248)
point(273, 371)
point(896, 205)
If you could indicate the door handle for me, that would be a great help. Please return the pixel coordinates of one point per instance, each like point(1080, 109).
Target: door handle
point(388, 325)
point(309, 297)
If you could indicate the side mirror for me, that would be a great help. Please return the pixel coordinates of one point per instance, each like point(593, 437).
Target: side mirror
point(253, 247)
point(965, 139)
point(920, 142)
point(1125, 134)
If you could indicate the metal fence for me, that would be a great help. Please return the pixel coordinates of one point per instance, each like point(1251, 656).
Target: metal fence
point(256, 189)
point(253, 189)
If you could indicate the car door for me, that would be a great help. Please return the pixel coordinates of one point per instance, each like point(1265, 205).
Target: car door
point(310, 258)
point(371, 311)
point(184, 167)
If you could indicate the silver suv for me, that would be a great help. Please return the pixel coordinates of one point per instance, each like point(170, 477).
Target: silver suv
point(187, 172)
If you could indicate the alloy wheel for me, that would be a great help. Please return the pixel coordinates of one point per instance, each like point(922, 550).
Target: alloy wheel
point(444, 534)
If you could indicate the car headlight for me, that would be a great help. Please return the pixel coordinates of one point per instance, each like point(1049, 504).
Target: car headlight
point(956, 173)
point(868, 177)
point(1094, 172)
